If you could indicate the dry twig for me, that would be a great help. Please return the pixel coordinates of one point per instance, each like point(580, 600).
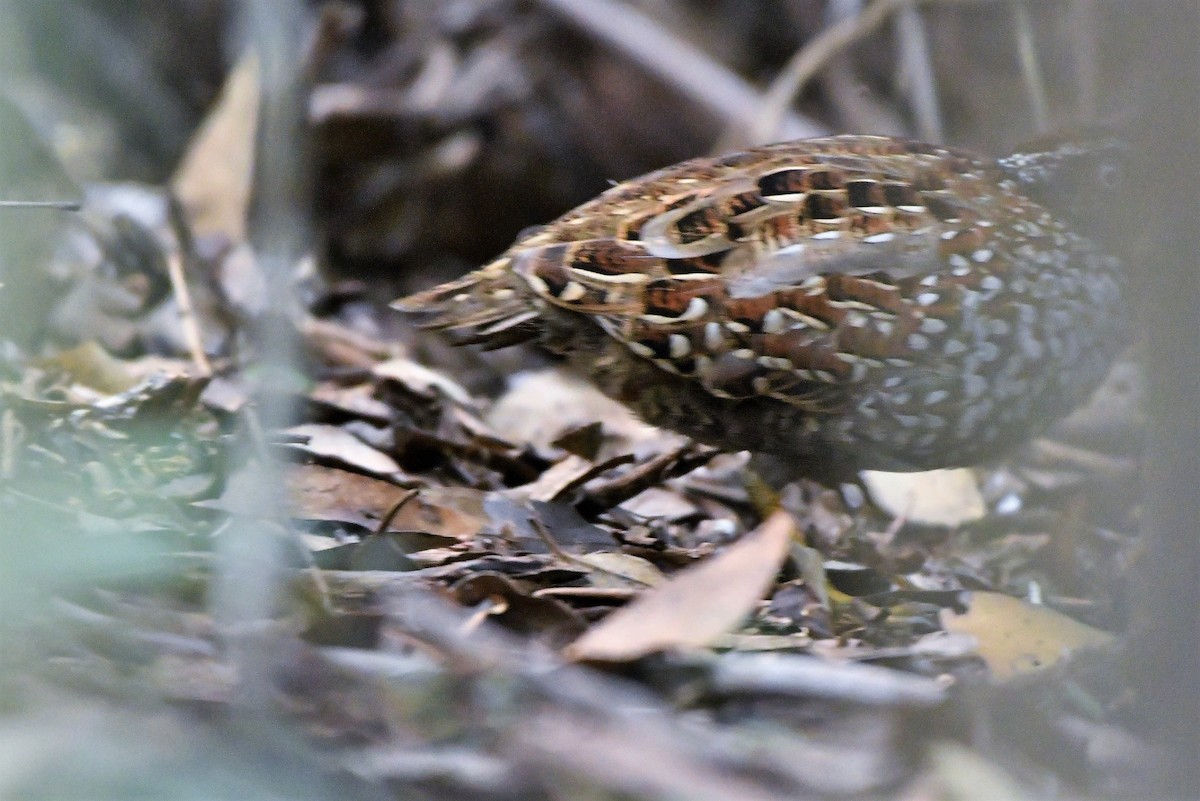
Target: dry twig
point(649, 474)
point(807, 61)
point(1031, 68)
point(689, 69)
point(766, 123)
point(917, 65)
point(187, 314)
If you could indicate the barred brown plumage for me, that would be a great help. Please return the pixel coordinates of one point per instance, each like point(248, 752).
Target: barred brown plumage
point(849, 302)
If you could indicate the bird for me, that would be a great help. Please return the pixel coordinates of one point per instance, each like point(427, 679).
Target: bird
point(838, 304)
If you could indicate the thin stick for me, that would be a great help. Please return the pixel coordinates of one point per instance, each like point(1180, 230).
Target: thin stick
point(1083, 29)
point(766, 123)
point(809, 60)
point(689, 69)
point(386, 520)
point(608, 593)
point(59, 205)
point(1031, 68)
point(9, 433)
point(557, 551)
point(918, 67)
point(187, 314)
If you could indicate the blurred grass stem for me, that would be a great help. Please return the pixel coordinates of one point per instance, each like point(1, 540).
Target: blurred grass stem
point(1031, 68)
point(248, 584)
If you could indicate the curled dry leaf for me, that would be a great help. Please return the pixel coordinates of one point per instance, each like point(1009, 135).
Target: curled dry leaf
point(421, 380)
point(697, 605)
point(1016, 637)
point(331, 442)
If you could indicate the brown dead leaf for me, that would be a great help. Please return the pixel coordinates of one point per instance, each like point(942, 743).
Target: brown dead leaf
point(159, 396)
point(327, 493)
point(697, 605)
point(1016, 637)
point(513, 607)
point(213, 180)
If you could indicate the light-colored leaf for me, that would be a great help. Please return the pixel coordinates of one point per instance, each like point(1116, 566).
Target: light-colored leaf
point(420, 379)
point(94, 367)
point(540, 406)
point(334, 443)
point(933, 498)
point(698, 604)
point(213, 180)
point(960, 774)
point(662, 503)
point(620, 570)
point(1015, 637)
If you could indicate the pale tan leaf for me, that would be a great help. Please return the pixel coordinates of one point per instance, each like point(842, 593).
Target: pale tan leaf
point(662, 503)
point(698, 604)
point(420, 379)
point(1015, 637)
point(94, 367)
point(961, 774)
point(933, 497)
point(620, 570)
point(332, 442)
point(213, 181)
point(540, 406)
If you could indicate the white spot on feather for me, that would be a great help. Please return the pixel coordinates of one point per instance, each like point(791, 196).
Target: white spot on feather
point(774, 322)
point(714, 339)
point(641, 350)
point(933, 325)
point(572, 292)
point(698, 307)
